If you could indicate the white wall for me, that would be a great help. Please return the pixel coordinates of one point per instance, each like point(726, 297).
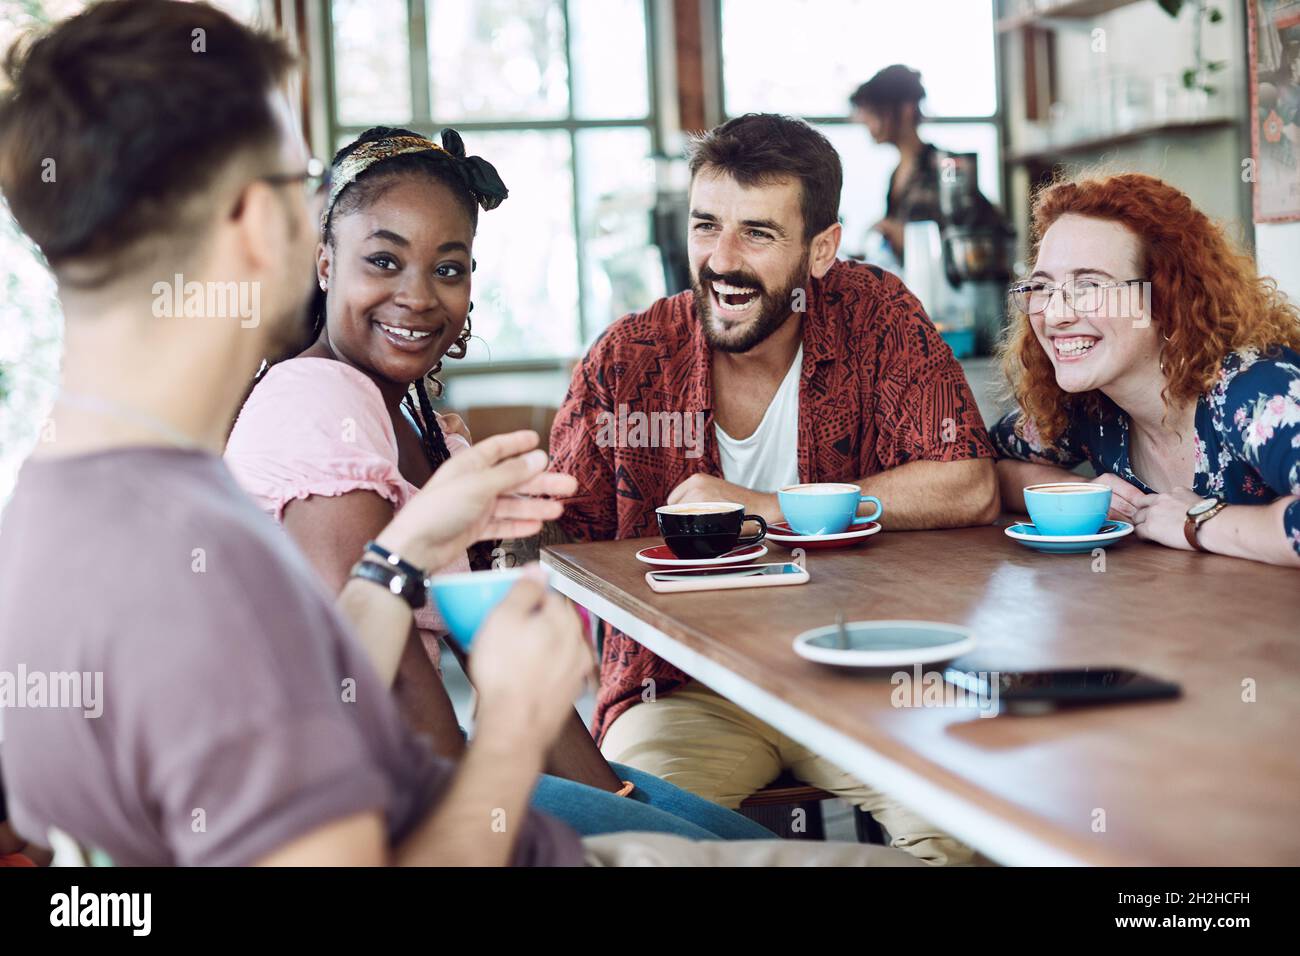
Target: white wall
point(1277, 251)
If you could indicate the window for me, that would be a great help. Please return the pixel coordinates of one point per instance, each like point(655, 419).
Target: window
point(558, 95)
point(805, 57)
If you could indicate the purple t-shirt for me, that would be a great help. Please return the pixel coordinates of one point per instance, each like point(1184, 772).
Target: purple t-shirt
point(237, 711)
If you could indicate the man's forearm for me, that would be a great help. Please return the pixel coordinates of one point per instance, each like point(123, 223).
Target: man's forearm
point(936, 494)
point(1015, 476)
point(382, 622)
point(918, 495)
point(478, 819)
point(381, 619)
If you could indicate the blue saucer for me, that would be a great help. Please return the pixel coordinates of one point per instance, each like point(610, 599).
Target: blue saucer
point(1025, 533)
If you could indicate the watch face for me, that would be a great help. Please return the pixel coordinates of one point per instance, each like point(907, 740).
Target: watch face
point(1201, 507)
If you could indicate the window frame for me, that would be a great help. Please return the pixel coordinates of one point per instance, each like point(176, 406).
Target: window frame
point(570, 124)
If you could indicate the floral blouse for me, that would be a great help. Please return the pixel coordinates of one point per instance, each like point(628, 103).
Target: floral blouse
point(1247, 436)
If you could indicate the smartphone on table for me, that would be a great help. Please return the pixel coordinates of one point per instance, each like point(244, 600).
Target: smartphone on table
point(725, 578)
point(1029, 692)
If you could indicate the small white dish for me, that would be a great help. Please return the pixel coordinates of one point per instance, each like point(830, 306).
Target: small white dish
point(885, 643)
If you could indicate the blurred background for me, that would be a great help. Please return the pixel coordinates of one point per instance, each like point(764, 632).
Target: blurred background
point(583, 104)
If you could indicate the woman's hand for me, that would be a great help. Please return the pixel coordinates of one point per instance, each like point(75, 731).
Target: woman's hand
point(1124, 498)
point(488, 491)
point(452, 424)
point(1161, 518)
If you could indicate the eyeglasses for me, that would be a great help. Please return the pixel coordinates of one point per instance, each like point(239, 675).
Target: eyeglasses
point(315, 179)
point(1081, 295)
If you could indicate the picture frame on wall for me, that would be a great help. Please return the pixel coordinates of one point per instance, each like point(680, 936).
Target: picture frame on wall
point(1274, 40)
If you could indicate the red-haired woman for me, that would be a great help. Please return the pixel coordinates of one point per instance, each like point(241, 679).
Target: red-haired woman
point(1165, 361)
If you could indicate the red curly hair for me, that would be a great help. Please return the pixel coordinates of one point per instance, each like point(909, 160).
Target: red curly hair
point(1206, 297)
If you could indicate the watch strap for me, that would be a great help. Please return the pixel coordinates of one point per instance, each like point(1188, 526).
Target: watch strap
point(1192, 524)
point(388, 557)
point(410, 589)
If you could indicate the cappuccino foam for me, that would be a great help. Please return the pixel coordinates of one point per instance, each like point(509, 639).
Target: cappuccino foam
point(721, 508)
point(1080, 489)
point(819, 489)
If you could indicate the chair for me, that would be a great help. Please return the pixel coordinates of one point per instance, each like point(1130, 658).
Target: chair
point(486, 420)
point(774, 806)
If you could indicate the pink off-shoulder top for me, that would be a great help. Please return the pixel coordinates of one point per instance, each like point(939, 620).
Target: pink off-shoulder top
point(316, 426)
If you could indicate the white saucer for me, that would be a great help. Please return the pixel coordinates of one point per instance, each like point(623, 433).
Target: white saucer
point(656, 556)
point(886, 643)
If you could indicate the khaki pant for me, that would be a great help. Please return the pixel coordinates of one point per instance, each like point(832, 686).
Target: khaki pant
point(707, 745)
point(662, 849)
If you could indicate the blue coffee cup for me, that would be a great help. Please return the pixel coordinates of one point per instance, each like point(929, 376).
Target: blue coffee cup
point(1067, 507)
point(826, 508)
point(465, 600)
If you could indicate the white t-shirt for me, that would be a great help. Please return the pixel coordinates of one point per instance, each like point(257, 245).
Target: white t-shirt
point(768, 459)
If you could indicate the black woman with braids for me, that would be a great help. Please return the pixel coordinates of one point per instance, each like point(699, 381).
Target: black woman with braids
point(334, 441)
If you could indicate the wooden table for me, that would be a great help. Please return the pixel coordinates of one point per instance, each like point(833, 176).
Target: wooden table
point(1210, 778)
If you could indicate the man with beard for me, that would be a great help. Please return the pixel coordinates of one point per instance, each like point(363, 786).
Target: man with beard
point(804, 369)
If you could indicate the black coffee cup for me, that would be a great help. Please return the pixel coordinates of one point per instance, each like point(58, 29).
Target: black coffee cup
point(706, 529)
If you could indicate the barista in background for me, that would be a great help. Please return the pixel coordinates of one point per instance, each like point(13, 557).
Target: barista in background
point(889, 105)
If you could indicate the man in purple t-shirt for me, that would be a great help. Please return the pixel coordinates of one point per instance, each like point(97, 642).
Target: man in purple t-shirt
point(231, 717)
point(189, 694)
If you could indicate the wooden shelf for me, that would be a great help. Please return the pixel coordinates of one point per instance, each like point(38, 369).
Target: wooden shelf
point(1065, 10)
point(1100, 143)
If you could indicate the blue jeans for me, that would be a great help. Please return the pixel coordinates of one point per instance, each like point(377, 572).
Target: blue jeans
point(654, 806)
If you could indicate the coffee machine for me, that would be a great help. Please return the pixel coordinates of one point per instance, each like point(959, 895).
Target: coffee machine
point(978, 249)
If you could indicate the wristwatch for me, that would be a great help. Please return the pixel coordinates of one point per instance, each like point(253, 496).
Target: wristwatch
point(1197, 515)
point(396, 575)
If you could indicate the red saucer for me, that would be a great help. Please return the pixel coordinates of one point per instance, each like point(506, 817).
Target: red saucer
point(662, 556)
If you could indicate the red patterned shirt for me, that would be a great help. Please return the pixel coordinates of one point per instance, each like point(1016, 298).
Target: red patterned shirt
point(879, 388)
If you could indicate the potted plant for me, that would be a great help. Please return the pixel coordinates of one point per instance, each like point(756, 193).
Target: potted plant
point(1196, 79)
